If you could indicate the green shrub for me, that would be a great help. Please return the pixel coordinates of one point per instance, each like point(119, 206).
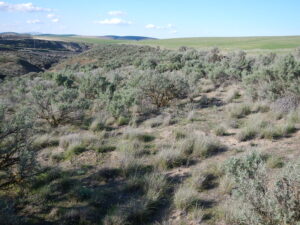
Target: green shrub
point(17, 156)
point(275, 81)
point(82, 193)
point(259, 199)
point(56, 105)
point(121, 101)
point(63, 80)
point(162, 88)
point(92, 86)
point(46, 177)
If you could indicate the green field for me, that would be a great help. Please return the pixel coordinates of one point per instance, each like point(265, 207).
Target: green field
point(225, 43)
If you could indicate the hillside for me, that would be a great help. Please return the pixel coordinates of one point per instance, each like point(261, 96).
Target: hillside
point(20, 55)
point(130, 134)
point(250, 44)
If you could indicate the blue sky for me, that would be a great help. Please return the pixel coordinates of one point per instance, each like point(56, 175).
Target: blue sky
point(155, 18)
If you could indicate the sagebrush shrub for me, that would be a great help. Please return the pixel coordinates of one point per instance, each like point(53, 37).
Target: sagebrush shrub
point(259, 199)
point(162, 88)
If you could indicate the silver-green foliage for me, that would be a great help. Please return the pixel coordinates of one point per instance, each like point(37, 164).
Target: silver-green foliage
point(162, 88)
point(278, 80)
point(17, 160)
point(56, 104)
point(259, 200)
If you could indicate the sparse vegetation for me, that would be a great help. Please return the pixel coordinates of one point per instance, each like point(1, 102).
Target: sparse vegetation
point(122, 134)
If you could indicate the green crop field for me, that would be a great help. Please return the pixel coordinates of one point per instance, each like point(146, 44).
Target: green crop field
point(250, 44)
point(228, 43)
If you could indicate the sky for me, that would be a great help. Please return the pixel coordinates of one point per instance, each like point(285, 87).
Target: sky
point(155, 18)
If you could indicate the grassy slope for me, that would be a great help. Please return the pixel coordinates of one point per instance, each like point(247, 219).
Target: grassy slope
point(224, 43)
point(227, 43)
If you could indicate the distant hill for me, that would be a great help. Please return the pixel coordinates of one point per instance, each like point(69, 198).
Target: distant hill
point(130, 38)
point(56, 35)
point(13, 35)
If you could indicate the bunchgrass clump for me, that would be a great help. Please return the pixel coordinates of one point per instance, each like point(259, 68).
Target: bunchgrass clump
point(247, 133)
point(134, 147)
point(46, 177)
point(135, 134)
point(97, 125)
point(259, 128)
point(185, 197)
point(45, 141)
point(220, 131)
point(170, 157)
point(74, 151)
point(205, 146)
point(179, 134)
point(205, 178)
point(121, 121)
point(105, 148)
point(129, 164)
point(232, 95)
point(275, 162)
point(239, 111)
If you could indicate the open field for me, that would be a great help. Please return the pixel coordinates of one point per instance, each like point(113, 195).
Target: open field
point(249, 44)
point(229, 43)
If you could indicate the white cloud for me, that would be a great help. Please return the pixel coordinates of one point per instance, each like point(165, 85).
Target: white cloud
point(23, 7)
point(170, 26)
point(114, 21)
point(152, 26)
point(33, 21)
point(55, 20)
point(50, 16)
point(116, 13)
point(173, 31)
